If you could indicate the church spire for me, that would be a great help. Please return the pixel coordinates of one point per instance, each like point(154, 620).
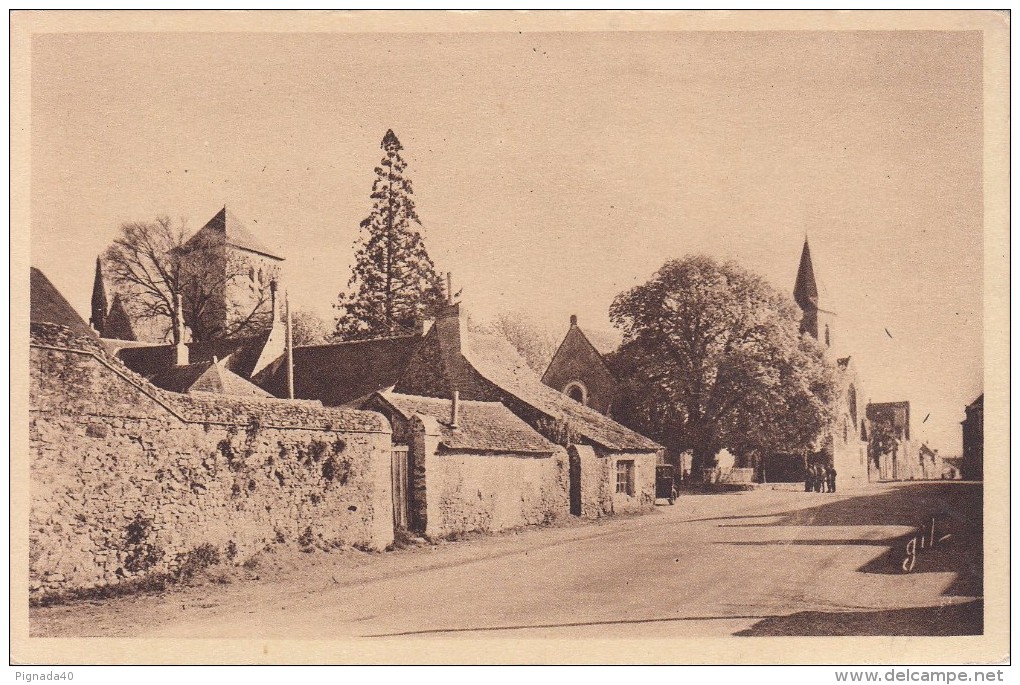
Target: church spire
point(100, 306)
point(805, 291)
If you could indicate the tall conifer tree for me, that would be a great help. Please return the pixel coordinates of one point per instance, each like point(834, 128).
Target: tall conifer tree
point(394, 286)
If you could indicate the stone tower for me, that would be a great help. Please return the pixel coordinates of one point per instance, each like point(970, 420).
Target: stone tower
point(229, 280)
point(817, 322)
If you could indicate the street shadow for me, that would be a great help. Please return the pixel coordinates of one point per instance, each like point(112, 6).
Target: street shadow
point(966, 618)
point(957, 503)
point(956, 509)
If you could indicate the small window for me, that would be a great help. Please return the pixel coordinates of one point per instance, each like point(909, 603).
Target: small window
point(828, 342)
point(576, 391)
point(625, 477)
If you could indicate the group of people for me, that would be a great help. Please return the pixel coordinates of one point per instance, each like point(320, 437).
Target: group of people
point(820, 478)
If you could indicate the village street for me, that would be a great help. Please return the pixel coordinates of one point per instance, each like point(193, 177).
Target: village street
point(768, 562)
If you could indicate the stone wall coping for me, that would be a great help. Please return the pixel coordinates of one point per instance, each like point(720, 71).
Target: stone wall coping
point(189, 409)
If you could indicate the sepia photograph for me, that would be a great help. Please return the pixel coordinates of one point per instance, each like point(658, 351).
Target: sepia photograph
point(390, 337)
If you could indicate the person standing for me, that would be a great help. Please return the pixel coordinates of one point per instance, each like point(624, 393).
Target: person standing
point(831, 477)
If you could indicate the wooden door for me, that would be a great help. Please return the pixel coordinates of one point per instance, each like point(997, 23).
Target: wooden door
point(401, 487)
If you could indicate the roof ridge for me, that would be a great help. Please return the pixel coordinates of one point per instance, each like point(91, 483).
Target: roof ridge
point(389, 393)
point(352, 342)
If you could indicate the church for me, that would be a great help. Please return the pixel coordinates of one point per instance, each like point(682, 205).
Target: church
point(581, 372)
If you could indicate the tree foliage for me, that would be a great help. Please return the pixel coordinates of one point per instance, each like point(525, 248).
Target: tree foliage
point(533, 342)
point(713, 358)
point(394, 285)
point(149, 266)
point(308, 328)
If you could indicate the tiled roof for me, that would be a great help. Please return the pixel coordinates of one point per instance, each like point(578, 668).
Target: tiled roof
point(239, 354)
point(481, 426)
point(117, 324)
point(497, 361)
point(339, 373)
point(49, 306)
point(227, 228)
point(207, 377)
point(202, 407)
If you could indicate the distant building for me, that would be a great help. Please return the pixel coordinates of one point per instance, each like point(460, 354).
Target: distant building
point(817, 322)
point(238, 277)
point(845, 446)
point(972, 465)
point(579, 371)
point(893, 454)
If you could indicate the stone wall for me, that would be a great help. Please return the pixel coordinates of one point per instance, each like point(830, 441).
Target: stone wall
point(488, 492)
point(127, 479)
point(850, 459)
point(598, 481)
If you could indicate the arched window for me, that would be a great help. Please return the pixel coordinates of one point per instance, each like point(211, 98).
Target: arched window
point(576, 391)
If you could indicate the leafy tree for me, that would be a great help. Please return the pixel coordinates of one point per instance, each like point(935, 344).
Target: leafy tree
point(713, 358)
point(395, 285)
point(145, 267)
point(308, 328)
point(533, 342)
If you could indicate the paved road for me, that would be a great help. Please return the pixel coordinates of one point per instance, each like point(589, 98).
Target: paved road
point(760, 563)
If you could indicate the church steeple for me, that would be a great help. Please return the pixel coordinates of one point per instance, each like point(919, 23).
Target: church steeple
point(816, 322)
point(100, 306)
point(805, 291)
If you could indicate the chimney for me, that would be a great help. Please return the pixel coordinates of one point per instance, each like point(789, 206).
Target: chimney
point(181, 351)
point(455, 409)
point(449, 287)
point(573, 320)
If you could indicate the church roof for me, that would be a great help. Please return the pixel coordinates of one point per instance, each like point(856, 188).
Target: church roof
point(481, 426)
point(117, 324)
point(228, 229)
point(805, 291)
point(575, 345)
point(47, 305)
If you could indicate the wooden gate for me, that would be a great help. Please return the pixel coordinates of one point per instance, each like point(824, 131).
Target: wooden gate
point(401, 477)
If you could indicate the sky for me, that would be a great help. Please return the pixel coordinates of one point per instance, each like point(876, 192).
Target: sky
point(553, 171)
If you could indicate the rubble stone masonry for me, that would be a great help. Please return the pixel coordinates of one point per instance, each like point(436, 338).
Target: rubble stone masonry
point(127, 480)
point(485, 492)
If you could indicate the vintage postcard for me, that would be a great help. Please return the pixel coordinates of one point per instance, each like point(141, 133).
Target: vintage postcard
point(509, 337)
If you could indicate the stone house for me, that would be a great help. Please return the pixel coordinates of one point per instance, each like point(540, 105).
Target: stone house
point(972, 465)
point(579, 371)
point(612, 467)
point(470, 465)
point(896, 462)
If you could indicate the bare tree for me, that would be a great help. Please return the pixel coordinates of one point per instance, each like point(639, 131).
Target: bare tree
point(532, 340)
point(151, 264)
point(309, 328)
